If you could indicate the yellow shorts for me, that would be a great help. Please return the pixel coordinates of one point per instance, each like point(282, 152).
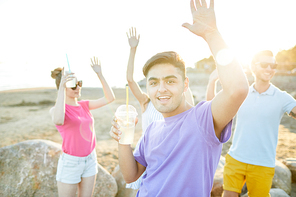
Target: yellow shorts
point(257, 178)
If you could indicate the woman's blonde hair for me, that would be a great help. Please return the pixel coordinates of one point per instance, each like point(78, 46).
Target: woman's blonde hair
point(57, 75)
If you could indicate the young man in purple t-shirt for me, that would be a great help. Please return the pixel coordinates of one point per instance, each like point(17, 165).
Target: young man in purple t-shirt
point(180, 153)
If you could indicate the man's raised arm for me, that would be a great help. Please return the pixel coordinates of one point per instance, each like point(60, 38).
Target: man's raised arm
point(233, 80)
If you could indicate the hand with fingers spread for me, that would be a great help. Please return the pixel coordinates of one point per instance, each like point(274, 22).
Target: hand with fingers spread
point(133, 39)
point(204, 20)
point(96, 65)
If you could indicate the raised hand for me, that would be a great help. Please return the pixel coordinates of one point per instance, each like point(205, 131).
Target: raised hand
point(133, 40)
point(96, 65)
point(204, 19)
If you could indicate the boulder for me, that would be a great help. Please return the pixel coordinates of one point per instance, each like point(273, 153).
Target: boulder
point(122, 190)
point(217, 189)
point(244, 195)
point(105, 183)
point(282, 177)
point(29, 169)
point(291, 164)
point(276, 192)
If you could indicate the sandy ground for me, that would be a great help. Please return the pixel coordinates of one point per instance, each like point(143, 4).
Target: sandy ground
point(24, 115)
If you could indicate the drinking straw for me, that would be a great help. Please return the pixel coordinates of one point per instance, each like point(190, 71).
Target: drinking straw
point(68, 63)
point(126, 88)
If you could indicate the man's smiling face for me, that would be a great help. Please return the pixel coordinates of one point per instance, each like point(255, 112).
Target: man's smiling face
point(261, 73)
point(166, 87)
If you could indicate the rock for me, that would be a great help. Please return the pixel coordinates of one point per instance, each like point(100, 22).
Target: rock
point(105, 183)
point(273, 193)
point(122, 191)
point(282, 177)
point(217, 189)
point(244, 195)
point(291, 164)
point(278, 193)
point(29, 169)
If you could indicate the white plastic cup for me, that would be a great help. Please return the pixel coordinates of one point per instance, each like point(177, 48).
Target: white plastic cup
point(127, 125)
point(72, 83)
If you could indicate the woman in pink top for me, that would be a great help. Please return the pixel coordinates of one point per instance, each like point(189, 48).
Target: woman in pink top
point(77, 166)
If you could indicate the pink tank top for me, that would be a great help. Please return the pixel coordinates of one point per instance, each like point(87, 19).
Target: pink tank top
point(77, 132)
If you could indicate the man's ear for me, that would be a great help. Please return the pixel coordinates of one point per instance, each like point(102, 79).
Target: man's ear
point(186, 84)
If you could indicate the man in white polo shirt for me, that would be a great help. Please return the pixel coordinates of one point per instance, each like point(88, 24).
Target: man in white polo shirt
point(251, 157)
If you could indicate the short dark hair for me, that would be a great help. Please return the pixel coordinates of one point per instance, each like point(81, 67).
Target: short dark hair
point(169, 57)
point(260, 54)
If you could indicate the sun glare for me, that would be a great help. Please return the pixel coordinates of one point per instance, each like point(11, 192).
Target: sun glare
point(224, 57)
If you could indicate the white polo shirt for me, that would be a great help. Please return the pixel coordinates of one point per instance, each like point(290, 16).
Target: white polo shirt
point(256, 134)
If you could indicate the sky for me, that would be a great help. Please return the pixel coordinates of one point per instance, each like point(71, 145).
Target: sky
point(36, 35)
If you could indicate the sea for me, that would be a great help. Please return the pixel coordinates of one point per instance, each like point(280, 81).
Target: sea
point(27, 76)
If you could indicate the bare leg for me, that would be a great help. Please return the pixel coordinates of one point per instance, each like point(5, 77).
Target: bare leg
point(229, 194)
point(66, 190)
point(86, 186)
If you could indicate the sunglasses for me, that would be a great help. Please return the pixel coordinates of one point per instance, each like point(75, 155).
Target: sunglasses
point(265, 65)
point(78, 83)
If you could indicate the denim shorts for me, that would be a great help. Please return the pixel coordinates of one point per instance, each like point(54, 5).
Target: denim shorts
point(72, 168)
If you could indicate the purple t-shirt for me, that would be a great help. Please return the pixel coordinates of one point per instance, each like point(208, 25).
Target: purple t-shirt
point(181, 154)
